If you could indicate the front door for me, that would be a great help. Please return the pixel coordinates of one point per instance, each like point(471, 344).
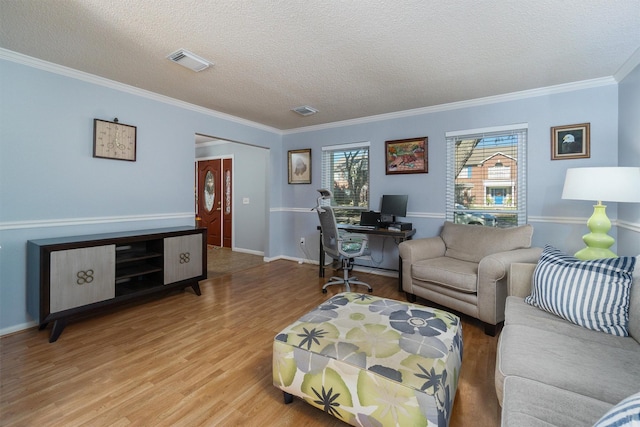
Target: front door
point(227, 203)
point(210, 200)
point(215, 200)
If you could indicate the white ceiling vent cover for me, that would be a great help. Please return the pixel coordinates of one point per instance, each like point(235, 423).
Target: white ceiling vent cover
point(189, 60)
point(305, 110)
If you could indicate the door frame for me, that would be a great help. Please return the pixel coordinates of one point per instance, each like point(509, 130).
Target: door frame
point(233, 191)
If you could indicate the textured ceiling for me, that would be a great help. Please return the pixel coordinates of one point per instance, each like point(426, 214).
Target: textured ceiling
point(348, 59)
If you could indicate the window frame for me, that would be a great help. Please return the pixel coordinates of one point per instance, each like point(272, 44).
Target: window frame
point(352, 213)
point(519, 130)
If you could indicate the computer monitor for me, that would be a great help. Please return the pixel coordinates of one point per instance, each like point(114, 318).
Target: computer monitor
point(393, 205)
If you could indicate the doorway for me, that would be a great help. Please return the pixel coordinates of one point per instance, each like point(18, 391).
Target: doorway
point(214, 200)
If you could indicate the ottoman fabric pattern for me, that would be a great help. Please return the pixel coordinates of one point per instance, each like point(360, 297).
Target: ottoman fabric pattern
point(372, 361)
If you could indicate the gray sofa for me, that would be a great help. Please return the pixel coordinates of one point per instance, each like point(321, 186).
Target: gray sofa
point(550, 372)
point(466, 267)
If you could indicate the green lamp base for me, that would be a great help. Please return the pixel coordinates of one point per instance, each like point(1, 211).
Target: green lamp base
point(598, 241)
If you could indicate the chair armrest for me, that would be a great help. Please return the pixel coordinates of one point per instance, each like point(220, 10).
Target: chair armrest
point(418, 249)
point(496, 266)
point(493, 275)
point(520, 279)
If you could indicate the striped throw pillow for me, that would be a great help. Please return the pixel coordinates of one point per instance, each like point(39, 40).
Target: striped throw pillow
point(624, 414)
point(594, 294)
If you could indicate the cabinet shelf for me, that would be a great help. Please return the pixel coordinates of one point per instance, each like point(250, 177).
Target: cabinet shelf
point(135, 287)
point(136, 270)
point(135, 255)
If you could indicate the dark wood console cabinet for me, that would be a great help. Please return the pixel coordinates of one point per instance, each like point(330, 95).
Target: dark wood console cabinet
point(69, 276)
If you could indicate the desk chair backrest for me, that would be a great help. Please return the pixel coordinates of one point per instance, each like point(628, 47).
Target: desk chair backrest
point(330, 233)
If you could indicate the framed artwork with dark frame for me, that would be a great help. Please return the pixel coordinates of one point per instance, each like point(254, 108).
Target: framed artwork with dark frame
point(570, 142)
point(300, 166)
point(407, 156)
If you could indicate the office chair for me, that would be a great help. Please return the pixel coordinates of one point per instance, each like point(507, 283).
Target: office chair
point(341, 246)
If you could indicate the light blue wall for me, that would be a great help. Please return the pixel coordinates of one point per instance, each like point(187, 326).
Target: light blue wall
point(50, 185)
point(629, 155)
point(556, 221)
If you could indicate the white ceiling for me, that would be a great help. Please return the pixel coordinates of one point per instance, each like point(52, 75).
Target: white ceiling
point(348, 59)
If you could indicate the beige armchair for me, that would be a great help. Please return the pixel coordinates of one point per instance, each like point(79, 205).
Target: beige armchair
point(465, 268)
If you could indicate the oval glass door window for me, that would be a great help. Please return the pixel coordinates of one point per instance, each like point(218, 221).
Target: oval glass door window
point(209, 191)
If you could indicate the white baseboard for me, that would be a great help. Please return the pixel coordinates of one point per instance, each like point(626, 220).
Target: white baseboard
point(248, 251)
point(17, 328)
point(360, 268)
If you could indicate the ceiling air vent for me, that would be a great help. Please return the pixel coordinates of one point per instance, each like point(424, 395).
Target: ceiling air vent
point(189, 60)
point(305, 110)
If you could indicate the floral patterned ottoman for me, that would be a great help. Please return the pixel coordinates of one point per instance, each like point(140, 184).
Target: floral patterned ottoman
point(372, 361)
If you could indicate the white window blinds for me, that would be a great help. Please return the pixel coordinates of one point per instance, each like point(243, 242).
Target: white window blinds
point(486, 176)
point(345, 171)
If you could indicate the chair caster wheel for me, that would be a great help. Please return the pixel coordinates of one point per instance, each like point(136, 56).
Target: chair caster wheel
point(324, 291)
point(370, 290)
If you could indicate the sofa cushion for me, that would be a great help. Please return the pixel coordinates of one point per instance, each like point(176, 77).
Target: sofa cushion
point(588, 367)
point(624, 414)
point(593, 293)
point(474, 242)
point(517, 312)
point(529, 403)
point(450, 272)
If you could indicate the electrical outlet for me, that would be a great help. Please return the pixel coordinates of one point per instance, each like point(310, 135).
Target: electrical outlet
point(302, 240)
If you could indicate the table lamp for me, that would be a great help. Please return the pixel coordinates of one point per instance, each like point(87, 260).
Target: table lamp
point(613, 184)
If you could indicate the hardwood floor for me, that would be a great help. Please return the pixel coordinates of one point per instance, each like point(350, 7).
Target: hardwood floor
point(185, 360)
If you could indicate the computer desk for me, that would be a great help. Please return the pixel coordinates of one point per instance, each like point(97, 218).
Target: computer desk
point(400, 236)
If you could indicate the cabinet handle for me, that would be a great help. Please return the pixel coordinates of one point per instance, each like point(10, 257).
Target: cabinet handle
point(185, 257)
point(84, 277)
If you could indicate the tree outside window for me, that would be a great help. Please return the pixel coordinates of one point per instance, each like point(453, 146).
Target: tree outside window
point(345, 171)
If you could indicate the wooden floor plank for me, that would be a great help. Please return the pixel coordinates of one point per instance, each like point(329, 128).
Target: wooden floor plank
point(189, 360)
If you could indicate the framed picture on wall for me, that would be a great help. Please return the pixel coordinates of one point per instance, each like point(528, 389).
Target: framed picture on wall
point(300, 166)
point(406, 156)
point(570, 142)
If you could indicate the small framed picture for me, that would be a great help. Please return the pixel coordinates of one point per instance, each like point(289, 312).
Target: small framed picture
point(300, 166)
point(407, 156)
point(570, 142)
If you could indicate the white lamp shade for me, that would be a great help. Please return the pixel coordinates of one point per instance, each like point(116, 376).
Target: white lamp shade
point(612, 184)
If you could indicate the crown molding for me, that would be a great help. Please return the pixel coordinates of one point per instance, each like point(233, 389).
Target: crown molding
point(628, 66)
point(40, 64)
point(514, 96)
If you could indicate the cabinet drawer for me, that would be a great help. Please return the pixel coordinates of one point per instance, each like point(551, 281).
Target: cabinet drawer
point(182, 257)
point(82, 276)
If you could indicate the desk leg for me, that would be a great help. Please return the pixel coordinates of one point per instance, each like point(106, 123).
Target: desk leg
point(321, 261)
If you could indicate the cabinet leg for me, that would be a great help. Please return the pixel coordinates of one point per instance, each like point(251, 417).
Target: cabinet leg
point(43, 326)
point(58, 326)
point(196, 288)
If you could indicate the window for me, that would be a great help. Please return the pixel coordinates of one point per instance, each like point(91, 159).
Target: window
point(486, 176)
point(345, 171)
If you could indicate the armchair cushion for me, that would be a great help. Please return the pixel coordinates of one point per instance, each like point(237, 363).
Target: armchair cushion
point(472, 242)
point(450, 272)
